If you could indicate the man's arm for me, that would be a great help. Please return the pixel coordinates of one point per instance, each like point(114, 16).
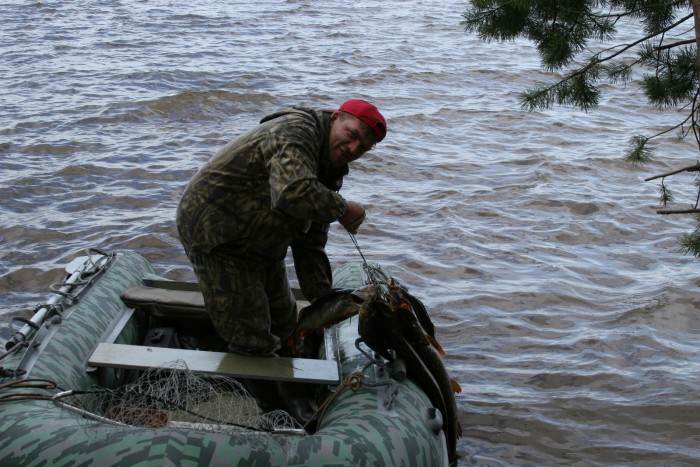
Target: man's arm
point(311, 262)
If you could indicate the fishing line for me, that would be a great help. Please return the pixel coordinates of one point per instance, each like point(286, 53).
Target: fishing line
point(372, 273)
point(357, 245)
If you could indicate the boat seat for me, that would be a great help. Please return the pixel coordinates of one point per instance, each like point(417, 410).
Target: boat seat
point(136, 357)
point(175, 300)
point(167, 303)
point(184, 301)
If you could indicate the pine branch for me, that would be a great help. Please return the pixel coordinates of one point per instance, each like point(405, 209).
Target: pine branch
point(667, 212)
point(675, 44)
point(560, 91)
point(635, 11)
point(690, 168)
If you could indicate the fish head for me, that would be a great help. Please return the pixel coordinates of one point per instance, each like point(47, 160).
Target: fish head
point(364, 294)
point(402, 319)
point(372, 325)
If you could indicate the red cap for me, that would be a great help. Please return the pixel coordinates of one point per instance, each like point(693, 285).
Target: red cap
point(368, 113)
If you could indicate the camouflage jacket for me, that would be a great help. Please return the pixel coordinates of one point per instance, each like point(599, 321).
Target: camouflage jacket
point(269, 189)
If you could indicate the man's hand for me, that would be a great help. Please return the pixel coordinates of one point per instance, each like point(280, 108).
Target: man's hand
point(353, 217)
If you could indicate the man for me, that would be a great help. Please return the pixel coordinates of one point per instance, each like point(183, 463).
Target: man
point(271, 188)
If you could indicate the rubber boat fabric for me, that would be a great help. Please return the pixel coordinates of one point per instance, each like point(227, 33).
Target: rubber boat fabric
point(374, 416)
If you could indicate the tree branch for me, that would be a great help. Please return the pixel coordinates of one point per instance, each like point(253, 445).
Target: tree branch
point(620, 14)
point(690, 168)
point(626, 47)
point(645, 38)
point(675, 44)
point(677, 211)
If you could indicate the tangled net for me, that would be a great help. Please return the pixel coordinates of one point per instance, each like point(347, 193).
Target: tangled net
point(173, 396)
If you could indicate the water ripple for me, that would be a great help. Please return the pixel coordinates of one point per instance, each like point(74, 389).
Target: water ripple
point(566, 309)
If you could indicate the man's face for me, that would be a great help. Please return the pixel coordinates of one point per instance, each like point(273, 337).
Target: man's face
point(349, 139)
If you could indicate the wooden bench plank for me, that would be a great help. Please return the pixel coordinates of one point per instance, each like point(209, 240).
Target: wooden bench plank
point(138, 357)
point(194, 287)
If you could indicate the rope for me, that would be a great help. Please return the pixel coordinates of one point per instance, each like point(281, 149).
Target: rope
point(51, 308)
point(55, 289)
point(29, 323)
point(353, 381)
point(6, 373)
point(56, 309)
point(13, 349)
point(29, 383)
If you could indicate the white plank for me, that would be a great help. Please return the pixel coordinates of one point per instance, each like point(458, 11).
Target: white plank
point(277, 368)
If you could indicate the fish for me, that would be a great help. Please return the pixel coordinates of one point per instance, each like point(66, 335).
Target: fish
point(400, 291)
point(371, 325)
point(330, 309)
point(388, 323)
point(418, 371)
point(408, 301)
point(425, 366)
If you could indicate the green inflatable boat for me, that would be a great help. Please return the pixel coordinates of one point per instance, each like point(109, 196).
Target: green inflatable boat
point(122, 367)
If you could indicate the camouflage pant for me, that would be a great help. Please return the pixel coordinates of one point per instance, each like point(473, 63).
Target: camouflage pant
point(250, 302)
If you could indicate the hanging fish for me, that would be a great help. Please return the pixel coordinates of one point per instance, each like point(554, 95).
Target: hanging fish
point(400, 293)
point(330, 309)
point(372, 322)
point(425, 366)
point(391, 325)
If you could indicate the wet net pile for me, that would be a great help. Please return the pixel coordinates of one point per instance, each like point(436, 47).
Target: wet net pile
point(175, 397)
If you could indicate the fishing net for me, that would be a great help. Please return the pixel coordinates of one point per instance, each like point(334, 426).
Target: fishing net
point(173, 396)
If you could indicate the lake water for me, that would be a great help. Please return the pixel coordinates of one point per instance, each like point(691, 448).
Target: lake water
point(567, 311)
